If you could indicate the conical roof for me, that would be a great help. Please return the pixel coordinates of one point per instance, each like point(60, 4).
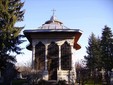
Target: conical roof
point(54, 20)
point(53, 23)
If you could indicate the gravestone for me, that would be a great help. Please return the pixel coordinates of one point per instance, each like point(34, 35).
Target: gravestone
point(103, 76)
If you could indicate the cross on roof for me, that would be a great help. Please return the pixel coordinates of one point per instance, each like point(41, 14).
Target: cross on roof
point(53, 11)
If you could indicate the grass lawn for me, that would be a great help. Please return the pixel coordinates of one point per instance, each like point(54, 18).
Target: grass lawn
point(19, 82)
point(90, 82)
point(93, 84)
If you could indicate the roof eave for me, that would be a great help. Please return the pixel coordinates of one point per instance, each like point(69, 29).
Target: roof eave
point(76, 45)
point(78, 34)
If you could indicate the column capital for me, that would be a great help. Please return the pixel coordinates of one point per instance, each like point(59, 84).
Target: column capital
point(33, 46)
point(60, 43)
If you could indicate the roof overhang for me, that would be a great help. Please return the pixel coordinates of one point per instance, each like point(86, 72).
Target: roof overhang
point(59, 32)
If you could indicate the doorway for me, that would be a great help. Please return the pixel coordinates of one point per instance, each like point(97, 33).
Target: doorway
point(53, 60)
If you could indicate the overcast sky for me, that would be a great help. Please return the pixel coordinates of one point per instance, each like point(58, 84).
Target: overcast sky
point(86, 15)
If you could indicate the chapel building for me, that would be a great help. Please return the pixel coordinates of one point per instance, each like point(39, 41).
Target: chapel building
point(51, 46)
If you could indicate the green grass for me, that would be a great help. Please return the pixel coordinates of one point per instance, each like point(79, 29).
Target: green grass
point(18, 82)
point(91, 82)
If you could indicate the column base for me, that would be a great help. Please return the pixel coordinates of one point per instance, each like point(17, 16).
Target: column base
point(45, 75)
point(66, 75)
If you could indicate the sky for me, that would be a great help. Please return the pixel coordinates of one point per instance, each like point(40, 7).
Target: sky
point(87, 15)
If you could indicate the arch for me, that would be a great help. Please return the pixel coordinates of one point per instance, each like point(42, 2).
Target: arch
point(66, 56)
point(53, 60)
point(53, 50)
point(40, 56)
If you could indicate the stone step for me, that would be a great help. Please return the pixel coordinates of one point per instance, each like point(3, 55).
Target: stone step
point(52, 82)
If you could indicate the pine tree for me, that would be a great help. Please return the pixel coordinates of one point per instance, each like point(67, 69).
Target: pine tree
point(10, 13)
point(107, 48)
point(93, 59)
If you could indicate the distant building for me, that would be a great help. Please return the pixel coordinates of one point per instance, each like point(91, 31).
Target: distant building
point(51, 46)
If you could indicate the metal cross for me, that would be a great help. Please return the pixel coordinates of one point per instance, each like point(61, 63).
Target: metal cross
point(53, 11)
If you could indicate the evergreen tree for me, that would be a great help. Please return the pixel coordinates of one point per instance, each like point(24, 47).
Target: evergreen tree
point(93, 59)
point(107, 48)
point(10, 39)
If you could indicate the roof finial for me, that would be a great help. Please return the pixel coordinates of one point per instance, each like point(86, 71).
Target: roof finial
point(53, 11)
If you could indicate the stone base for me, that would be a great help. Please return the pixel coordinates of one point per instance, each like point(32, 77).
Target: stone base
point(45, 75)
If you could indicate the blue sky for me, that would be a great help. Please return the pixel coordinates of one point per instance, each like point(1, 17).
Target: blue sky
point(86, 15)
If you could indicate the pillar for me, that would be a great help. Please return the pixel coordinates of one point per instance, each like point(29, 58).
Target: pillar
point(33, 56)
point(46, 51)
point(71, 56)
point(45, 68)
point(59, 57)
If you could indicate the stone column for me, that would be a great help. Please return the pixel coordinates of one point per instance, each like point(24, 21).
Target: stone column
point(59, 72)
point(33, 56)
point(59, 57)
point(71, 56)
point(46, 51)
point(45, 68)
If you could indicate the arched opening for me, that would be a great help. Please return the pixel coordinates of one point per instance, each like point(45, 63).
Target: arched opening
point(53, 60)
point(40, 56)
point(66, 56)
